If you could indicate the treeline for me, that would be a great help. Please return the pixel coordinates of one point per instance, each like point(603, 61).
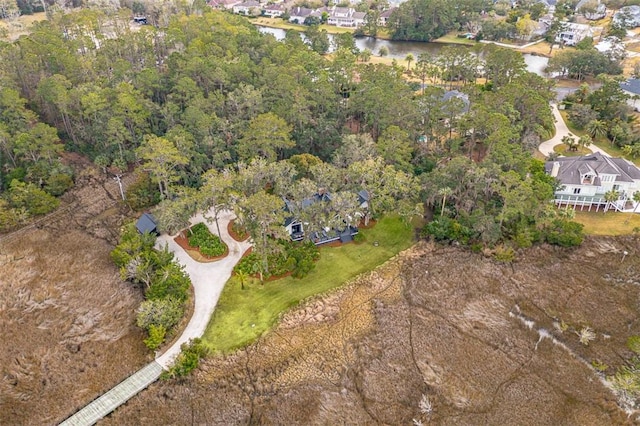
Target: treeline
point(425, 20)
point(200, 103)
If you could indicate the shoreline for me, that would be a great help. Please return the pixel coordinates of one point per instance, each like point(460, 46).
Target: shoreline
point(447, 39)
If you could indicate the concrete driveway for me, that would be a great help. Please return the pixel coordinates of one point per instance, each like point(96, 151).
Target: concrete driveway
point(562, 130)
point(208, 280)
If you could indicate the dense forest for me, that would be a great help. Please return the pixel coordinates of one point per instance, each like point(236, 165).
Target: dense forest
point(209, 103)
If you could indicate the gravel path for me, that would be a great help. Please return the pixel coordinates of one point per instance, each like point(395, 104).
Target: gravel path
point(208, 280)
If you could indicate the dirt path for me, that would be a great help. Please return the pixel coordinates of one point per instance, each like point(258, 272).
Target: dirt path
point(546, 148)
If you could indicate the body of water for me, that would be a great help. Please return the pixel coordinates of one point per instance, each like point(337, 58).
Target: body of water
point(400, 49)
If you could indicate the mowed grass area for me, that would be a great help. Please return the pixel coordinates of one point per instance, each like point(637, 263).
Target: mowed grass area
point(564, 150)
point(452, 38)
point(610, 223)
point(241, 316)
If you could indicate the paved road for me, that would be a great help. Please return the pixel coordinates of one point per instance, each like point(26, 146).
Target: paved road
point(208, 280)
point(562, 130)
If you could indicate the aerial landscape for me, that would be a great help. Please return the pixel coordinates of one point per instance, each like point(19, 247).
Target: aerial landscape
point(312, 212)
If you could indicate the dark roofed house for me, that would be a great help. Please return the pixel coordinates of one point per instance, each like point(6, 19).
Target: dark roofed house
point(631, 87)
point(296, 228)
point(147, 223)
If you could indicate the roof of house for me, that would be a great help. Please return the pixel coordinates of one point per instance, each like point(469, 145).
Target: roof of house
point(218, 3)
point(359, 15)
point(250, 3)
point(632, 85)
point(146, 223)
point(572, 168)
point(457, 94)
point(274, 7)
point(300, 11)
point(363, 196)
point(628, 15)
point(387, 13)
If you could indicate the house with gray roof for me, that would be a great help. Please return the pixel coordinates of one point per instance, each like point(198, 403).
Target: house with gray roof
point(250, 7)
point(631, 87)
point(299, 230)
point(147, 223)
point(385, 15)
point(628, 16)
point(584, 180)
point(297, 15)
point(345, 17)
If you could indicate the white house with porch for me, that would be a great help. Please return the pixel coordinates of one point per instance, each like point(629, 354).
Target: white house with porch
point(585, 180)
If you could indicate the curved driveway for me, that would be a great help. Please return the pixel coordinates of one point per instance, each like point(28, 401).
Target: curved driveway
point(562, 130)
point(208, 280)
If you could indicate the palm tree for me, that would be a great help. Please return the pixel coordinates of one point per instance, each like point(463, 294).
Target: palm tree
point(610, 197)
point(243, 278)
point(585, 141)
point(571, 142)
point(409, 59)
point(445, 192)
point(597, 128)
point(636, 198)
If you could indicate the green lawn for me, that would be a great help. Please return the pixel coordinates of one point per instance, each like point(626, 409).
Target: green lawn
point(610, 223)
point(452, 38)
point(243, 315)
point(564, 150)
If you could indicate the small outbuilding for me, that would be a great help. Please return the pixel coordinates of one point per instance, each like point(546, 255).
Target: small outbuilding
point(147, 223)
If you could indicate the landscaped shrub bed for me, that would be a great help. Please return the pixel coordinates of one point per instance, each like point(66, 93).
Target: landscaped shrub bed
point(237, 231)
point(209, 245)
point(295, 258)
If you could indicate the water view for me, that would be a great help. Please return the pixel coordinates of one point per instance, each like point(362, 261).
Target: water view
point(400, 49)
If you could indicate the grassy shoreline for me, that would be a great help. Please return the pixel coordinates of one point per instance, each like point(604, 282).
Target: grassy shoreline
point(242, 316)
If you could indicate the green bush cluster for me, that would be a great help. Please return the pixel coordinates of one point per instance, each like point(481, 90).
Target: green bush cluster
point(239, 230)
point(447, 229)
point(142, 193)
point(564, 233)
point(210, 245)
point(22, 201)
point(295, 257)
point(165, 284)
point(560, 232)
point(188, 360)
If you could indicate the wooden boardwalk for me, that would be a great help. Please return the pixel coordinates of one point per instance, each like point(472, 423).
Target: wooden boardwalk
point(115, 397)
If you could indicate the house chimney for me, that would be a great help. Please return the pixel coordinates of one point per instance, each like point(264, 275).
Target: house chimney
point(555, 169)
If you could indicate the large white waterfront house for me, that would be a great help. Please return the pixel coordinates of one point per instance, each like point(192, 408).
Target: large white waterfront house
point(585, 180)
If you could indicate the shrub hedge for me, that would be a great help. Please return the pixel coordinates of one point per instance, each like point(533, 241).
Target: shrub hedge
point(209, 245)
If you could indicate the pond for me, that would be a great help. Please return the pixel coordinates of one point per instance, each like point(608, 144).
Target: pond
point(400, 49)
